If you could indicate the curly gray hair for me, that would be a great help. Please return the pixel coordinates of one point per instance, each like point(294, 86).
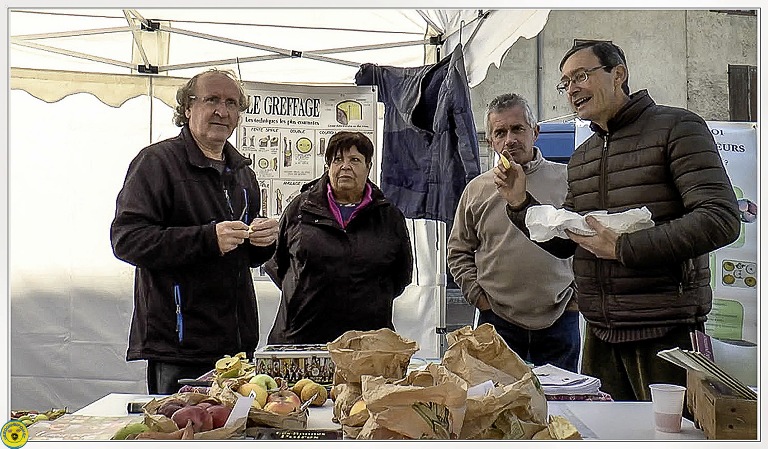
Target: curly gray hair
point(185, 92)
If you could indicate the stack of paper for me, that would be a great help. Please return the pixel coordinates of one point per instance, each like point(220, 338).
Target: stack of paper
point(557, 381)
point(692, 360)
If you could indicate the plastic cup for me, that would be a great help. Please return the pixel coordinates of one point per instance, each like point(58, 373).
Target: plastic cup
point(667, 406)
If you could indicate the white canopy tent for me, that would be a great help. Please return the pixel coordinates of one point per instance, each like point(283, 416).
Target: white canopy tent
point(89, 88)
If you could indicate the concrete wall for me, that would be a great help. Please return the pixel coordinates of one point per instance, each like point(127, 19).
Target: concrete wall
point(680, 56)
point(714, 41)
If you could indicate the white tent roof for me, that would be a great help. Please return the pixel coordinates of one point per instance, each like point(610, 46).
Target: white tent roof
point(299, 46)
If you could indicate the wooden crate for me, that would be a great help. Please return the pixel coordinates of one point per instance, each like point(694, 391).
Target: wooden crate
point(721, 415)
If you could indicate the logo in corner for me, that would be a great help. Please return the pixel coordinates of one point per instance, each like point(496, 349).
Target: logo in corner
point(14, 434)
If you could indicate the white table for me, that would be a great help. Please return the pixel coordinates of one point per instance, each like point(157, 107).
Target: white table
point(595, 420)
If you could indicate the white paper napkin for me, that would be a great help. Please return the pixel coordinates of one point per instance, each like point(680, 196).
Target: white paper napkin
point(545, 222)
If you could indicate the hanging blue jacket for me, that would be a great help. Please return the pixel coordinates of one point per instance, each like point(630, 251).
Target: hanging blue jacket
point(430, 149)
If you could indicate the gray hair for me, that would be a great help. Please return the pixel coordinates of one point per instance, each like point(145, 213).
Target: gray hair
point(504, 102)
point(185, 92)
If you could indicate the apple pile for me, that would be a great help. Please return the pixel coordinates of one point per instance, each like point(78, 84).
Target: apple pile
point(206, 415)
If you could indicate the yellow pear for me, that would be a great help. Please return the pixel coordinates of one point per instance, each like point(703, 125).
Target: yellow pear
point(299, 385)
point(227, 364)
point(260, 394)
point(310, 389)
point(358, 407)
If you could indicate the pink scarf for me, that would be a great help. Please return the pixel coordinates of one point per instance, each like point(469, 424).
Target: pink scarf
point(335, 208)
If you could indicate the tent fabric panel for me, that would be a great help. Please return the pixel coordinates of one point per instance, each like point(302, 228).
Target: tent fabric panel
point(111, 89)
point(488, 45)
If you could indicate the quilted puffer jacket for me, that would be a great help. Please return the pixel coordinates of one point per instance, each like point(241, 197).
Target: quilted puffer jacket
point(663, 158)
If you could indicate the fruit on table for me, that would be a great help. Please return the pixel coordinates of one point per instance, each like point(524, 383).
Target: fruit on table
point(562, 429)
point(226, 364)
point(260, 394)
point(219, 413)
point(265, 381)
point(130, 429)
point(300, 384)
point(202, 421)
point(314, 391)
point(358, 407)
point(29, 417)
point(282, 402)
point(334, 392)
point(170, 406)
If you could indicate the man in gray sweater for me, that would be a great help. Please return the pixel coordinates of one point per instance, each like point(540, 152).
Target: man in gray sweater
point(526, 293)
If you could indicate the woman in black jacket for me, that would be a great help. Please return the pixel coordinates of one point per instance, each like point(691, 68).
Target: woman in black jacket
point(343, 251)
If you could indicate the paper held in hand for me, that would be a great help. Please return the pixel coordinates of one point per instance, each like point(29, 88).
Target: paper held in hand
point(545, 222)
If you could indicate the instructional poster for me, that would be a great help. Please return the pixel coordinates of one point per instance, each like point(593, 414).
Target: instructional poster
point(734, 268)
point(286, 129)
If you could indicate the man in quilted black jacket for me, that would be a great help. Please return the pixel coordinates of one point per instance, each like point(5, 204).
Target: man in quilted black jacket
point(644, 291)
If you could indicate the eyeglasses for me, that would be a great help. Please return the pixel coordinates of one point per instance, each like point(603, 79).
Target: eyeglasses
point(213, 101)
point(578, 78)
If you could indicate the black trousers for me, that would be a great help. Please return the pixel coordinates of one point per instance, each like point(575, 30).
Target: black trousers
point(163, 377)
point(626, 369)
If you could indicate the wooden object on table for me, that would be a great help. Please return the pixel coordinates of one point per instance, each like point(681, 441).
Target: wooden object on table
point(718, 411)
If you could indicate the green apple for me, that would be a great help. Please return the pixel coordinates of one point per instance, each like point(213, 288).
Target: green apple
point(265, 381)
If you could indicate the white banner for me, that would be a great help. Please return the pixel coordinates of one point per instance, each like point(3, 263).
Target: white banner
point(286, 130)
point(734, 267)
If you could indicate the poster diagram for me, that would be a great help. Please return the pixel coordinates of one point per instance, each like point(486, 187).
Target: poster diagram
point(734, 267)
point(285, 133)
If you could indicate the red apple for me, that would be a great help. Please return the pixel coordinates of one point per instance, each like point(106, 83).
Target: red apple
point(282, 402)
point(285, 395)
point(169, 409)
point(281, 407)
point(219, 413)
point(202, 421)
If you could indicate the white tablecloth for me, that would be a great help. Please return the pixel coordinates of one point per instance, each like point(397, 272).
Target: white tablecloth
point(594, 419)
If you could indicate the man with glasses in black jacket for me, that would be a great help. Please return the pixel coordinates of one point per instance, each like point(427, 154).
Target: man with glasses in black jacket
point(187, 219)
point(644, 291)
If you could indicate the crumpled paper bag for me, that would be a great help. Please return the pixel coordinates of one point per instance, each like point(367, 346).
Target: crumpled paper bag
point(545, 222)
point(376, 353)
point(427, 404)
point(516, 407)
point(356, 354)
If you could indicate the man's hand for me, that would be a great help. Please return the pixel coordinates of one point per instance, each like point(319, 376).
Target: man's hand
point(602, 245)
point(263, 231)
point(230, 234)
point(510, 182)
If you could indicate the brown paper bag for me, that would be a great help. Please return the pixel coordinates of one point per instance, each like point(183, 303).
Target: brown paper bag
point(517, 407)
point(427, 404)
point(376, 353)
